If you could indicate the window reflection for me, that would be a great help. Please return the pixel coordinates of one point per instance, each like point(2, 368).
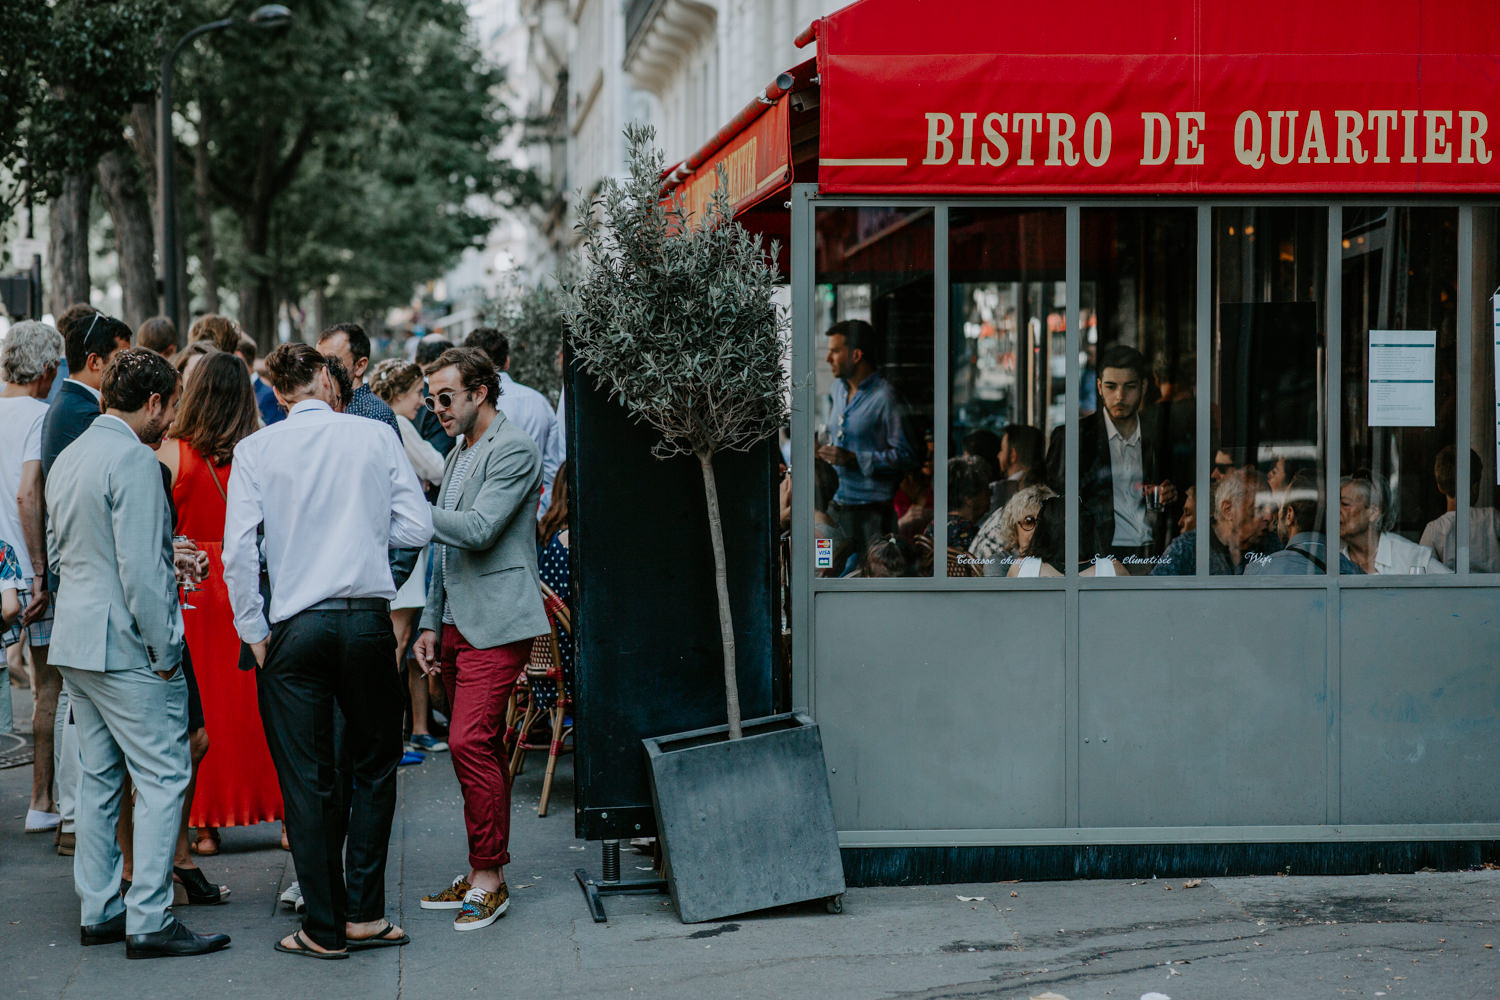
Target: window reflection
point(1137, 395)
point(1484, 520)
point(1266, 513)
point(1008, 382)
point(874, 315)
point(1400, 279)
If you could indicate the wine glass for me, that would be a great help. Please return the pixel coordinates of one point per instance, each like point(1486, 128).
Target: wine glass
point(185, 583)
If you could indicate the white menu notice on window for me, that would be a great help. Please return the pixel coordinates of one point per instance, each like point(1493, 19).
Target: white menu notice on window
point(1403, 384)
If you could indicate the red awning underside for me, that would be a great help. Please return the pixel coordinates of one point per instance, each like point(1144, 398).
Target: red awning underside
point(981, 97)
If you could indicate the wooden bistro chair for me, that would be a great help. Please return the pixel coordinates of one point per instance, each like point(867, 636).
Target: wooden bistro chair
point(541, 727)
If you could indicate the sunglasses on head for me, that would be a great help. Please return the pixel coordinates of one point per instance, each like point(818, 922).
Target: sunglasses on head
point(443, 399)
point(104, 344)
point(1224, 466)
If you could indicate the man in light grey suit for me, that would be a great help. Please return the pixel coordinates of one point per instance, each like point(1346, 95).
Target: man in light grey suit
point(117, 638)
point(486, 601)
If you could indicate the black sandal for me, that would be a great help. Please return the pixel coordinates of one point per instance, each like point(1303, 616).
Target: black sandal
point(304, 949)
point(200, 891)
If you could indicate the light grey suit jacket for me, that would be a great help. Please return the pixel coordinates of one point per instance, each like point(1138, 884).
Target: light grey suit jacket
point(491, 578)
point(109, 539)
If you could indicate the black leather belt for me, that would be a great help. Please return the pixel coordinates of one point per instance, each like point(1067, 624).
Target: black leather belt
point(352, 604)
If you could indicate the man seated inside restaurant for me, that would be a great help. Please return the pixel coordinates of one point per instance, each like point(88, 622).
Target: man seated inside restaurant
point(1124, 490)
point(1441, 533)
point(1020, 457)
point(1366, 517)
point(984, 444)
point(1299, 525)
point(1240, 524)
point(870, 443)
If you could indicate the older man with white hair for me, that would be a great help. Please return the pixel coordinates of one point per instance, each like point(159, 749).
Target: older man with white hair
point(28, 366)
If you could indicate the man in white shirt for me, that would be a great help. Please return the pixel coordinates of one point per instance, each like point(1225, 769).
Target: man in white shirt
point(1365, 520)
point(28, 366)
point(524, 407)
point(1441, 533)
point(333, 492)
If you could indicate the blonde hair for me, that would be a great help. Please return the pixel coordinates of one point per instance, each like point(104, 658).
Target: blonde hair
point(392, 379)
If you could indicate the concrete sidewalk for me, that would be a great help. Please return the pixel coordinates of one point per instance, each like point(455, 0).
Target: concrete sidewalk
point(1425, 935)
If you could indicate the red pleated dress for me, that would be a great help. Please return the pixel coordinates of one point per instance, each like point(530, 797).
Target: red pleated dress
point(236, 781)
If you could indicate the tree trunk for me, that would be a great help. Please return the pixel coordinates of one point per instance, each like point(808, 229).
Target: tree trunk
point(125, 196)
point(68, 247)
point(257, 301)
point(721, 582)
point(208, 262)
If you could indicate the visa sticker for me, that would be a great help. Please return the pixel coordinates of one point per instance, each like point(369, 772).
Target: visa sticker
point(824, 553)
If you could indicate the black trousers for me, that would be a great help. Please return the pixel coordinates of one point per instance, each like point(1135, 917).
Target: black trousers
point(316, 661)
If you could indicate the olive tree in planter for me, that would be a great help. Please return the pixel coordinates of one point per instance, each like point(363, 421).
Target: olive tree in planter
point(674, 318)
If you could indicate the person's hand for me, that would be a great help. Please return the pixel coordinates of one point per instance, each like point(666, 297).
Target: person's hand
point(786, 501)
point(425, 650)
point(1168, 494)
point(258, 650)
point(39, 601)
point(834, 455)
point(189, 562)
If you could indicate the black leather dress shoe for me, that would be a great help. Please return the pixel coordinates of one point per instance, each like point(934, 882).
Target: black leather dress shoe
point(109, 932)
point(173, 940)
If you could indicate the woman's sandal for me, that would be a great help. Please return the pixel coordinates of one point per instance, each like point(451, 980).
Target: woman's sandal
point(305, 949)
point(200, 891)
point(378, 939)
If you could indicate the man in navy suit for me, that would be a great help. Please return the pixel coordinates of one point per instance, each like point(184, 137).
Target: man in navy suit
point(265, 396)
point(90, 340)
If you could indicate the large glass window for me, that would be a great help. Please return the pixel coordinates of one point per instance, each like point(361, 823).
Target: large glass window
point(1137, 389)
point(1483, 416)
point(873, 319)
point(1267, 511)
point(1007, 382)
point(1400, 323)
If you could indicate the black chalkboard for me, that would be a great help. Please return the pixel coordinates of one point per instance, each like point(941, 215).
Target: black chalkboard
point(648, 654)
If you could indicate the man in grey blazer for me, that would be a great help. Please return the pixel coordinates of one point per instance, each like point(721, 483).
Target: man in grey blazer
point(117, 639)
point(483, 609)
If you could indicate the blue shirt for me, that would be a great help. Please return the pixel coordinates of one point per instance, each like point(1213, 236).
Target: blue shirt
point(1306, 554)
point(874, 426)
point(365, 403)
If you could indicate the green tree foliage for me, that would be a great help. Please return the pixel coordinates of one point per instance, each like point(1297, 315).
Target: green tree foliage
point(69, 71)
point(349, 149)
point(674, 318)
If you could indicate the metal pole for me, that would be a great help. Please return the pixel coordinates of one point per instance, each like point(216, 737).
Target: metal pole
point(166, 189)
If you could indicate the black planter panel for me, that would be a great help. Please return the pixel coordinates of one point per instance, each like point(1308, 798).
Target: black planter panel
point(649, 659)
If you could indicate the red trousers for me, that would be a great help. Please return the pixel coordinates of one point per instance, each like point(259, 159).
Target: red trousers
point(479, 683)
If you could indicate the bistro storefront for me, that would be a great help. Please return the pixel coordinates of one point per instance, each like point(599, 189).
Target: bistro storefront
point(1289, 216)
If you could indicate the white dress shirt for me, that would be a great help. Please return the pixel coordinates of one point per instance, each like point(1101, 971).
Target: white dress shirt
point(1396, 554)
point(531, 412)
point(334, 491)
point(1126, 472)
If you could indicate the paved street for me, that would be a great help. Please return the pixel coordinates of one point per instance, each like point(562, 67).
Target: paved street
point(1424, 935)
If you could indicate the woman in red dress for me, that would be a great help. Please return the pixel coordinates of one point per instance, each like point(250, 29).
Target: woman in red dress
point(236, 782)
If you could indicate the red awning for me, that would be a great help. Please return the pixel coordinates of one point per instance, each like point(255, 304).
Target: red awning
point(755, 149)
point(1175, 96)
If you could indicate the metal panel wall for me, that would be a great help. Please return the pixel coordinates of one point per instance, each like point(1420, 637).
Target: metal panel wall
point(942, 711)
point(1421, 706)
point(1204, 716)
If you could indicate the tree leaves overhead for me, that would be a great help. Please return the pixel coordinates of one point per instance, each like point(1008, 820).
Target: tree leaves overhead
point(531, 317)
point(369, 126)
point(69, 70)
point(674, 317)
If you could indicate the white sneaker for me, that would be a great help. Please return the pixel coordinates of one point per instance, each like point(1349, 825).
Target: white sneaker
point(38, 821)
point(293, 897)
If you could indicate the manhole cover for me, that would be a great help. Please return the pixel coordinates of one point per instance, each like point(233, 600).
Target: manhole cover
point(14, 750)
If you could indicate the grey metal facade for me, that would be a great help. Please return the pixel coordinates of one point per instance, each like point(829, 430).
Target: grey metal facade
point(1287, 709)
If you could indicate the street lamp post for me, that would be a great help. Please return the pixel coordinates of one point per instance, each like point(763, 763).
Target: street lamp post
point(269, 16)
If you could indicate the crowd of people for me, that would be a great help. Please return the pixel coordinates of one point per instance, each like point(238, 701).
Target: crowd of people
point(1137, 512)
point(239, 599)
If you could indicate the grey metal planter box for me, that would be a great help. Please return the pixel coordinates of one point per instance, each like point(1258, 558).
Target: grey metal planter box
point(748, 824)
